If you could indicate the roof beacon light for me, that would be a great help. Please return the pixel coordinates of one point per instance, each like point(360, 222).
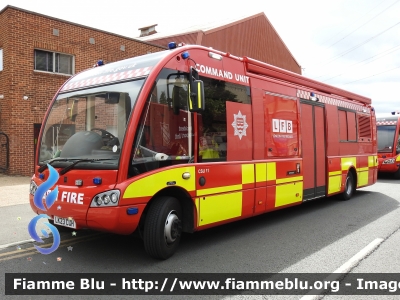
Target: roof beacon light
point(185, 55)
point(313, 97)
point(395, 112)
point(171, 45)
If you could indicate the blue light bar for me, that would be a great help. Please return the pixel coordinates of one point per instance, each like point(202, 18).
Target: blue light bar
point(171, 45)
point(97, 180)
point(313, 97)
point(185, 55)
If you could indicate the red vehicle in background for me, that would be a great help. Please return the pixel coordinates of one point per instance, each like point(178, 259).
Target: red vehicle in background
point(388, 132)
point(191, 138)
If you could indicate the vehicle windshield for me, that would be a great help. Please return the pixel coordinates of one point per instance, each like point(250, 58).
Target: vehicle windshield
point(89, 124)
point(385, 137)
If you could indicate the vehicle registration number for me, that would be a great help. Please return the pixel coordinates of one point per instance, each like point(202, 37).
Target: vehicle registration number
point(67, 222)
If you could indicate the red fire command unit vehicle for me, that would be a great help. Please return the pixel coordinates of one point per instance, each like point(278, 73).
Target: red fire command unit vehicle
point(388, 132)
point(191, 138)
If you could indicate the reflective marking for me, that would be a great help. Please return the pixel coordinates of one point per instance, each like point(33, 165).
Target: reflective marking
point(362, 178)
point(220, 207)
point(247, 173)
point(286, 193)
point(289, 179)
point(335, 173)
point(271, 171)
point(334, 184)
point(218, 190)
point(347, 162)
point(372, 161)
point(261, 172)
point(150, 185)
point(362, 169)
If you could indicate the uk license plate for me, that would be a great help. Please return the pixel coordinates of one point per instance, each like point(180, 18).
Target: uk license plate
point(67, 222)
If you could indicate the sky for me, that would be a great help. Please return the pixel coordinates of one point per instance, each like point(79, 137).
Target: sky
point(350, 44)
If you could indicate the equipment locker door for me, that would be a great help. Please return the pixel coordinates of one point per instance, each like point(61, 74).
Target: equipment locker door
point(313, 149)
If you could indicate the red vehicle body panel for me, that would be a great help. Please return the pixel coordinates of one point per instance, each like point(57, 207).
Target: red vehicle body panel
point(283, 149)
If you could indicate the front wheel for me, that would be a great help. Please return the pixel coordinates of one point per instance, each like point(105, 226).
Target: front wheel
point(163, 227)
point(349, 187)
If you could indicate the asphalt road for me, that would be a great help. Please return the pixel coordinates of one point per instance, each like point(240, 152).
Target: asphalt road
point(321, 236)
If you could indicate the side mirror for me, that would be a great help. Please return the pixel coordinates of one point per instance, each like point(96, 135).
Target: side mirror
point(111, 98)
point(196, 92)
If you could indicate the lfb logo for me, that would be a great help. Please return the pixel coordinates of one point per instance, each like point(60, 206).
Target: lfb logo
point(279, 125)
point(38, 201)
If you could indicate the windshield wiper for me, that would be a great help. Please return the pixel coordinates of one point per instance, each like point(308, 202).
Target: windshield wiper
point(44, 167)
point(67, 168)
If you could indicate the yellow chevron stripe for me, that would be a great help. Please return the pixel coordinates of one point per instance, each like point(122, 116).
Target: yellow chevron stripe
point(218, 190)
point(289, 179)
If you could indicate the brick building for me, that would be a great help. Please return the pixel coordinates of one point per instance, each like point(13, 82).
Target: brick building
point(38, 54)
point(252, 36)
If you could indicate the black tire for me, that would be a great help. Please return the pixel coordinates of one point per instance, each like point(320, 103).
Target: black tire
point(397, 174)
point(349, 187)
point(163, 227)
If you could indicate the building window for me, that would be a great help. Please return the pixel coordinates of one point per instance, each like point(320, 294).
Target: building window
point(54, 62)
point(1, 59)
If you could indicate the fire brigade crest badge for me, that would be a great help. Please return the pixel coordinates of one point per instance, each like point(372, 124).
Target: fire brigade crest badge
point(239, 124)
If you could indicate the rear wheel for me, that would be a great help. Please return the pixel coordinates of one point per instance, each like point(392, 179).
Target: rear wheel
point(163, 227)
point(349, 186)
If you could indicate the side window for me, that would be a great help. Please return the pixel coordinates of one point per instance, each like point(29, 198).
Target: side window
point(212, 123)
point(347, 126)
point(48, 61)
point(351, 126)
point(342, 125)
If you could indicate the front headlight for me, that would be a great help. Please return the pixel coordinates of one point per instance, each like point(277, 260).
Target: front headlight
point(106, 199)
point(388, 161)
point(32, 188)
